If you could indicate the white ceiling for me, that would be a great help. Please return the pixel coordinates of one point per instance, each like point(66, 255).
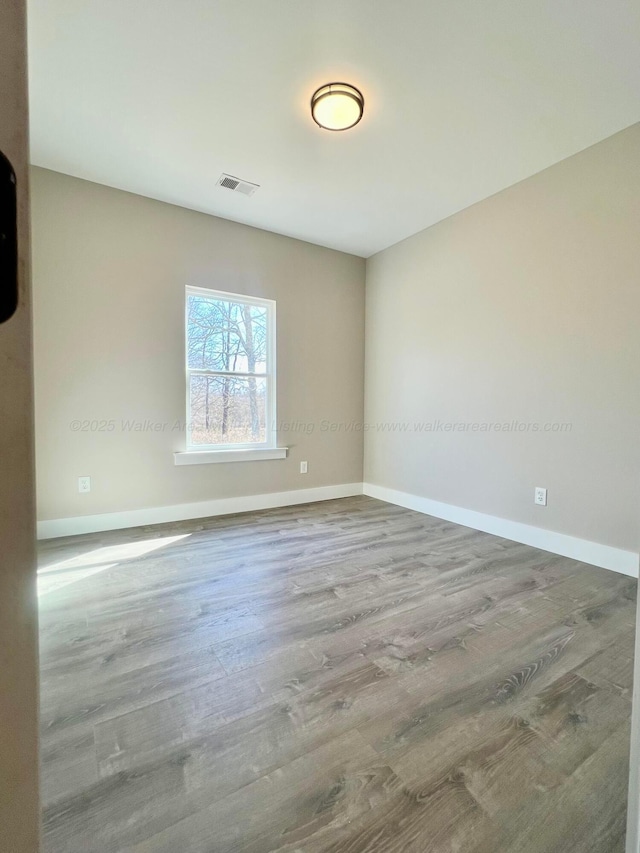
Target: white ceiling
point(463, 98)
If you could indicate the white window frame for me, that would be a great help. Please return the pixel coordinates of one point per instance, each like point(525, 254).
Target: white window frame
point(250, 451)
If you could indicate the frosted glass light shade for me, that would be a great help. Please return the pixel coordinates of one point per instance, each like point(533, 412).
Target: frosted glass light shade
point(337, 106)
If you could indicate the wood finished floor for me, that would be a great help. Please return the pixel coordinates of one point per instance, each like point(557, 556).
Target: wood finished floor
point(341, 677)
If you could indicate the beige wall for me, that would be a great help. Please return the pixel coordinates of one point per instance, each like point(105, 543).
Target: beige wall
point(19, 808)
point(524, 307)
point(110, 270)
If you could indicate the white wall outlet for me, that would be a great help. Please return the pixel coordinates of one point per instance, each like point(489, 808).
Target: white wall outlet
point(84, 484)
point(540, 496)
point(303, 468)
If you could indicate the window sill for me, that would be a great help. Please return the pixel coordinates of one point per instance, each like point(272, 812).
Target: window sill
point(203, 457)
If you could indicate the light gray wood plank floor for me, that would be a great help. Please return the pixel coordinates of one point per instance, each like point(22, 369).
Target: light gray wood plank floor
point(346, 676)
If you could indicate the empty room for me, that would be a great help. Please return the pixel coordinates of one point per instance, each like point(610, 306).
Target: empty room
point(320, 388)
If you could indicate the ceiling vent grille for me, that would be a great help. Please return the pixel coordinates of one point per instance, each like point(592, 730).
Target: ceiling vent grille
point(237, 185)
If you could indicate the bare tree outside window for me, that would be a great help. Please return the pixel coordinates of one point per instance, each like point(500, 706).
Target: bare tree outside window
point(229, 359)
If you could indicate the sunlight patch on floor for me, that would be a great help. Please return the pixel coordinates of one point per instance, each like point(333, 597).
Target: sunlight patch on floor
point(61, 574)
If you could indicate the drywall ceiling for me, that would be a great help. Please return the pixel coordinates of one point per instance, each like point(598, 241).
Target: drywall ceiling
point(463, 98)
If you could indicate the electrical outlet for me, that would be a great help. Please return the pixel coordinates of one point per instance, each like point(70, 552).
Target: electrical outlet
point(303, 467)
point(540, 496)
point(84, 484)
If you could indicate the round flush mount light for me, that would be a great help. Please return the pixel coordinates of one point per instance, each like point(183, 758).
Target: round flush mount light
point(337, 106)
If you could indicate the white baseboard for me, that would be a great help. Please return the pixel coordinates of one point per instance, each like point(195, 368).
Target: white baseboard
point(604, 556)
point(203, 509)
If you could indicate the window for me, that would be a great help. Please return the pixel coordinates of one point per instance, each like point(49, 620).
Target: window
point(230, 371)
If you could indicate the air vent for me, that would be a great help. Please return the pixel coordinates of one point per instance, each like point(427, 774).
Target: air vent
point(236, 185)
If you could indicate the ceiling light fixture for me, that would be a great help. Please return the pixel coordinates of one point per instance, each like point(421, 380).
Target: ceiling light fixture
point(337, 106)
